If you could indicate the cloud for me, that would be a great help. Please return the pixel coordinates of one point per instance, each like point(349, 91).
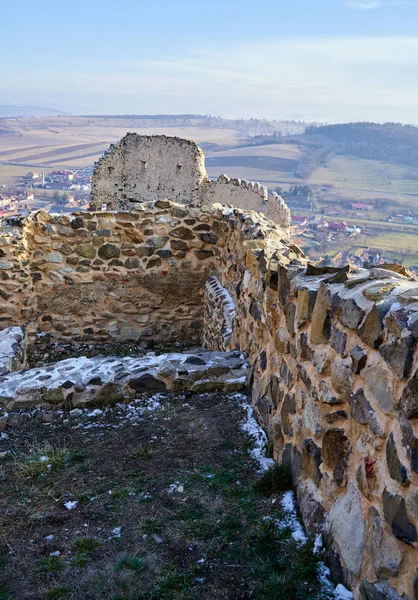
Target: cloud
point(364, 5)
point(324, 79)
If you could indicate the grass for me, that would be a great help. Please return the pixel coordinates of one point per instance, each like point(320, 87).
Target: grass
point(42, 460)
point(362, 174)
point(207, 539)
point(85, 545)
point(48, 567)
point(277, 479)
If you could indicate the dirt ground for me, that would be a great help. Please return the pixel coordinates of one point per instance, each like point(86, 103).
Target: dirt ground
point(152, 500)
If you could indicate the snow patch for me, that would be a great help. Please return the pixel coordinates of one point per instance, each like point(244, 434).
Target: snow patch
point(251, 426)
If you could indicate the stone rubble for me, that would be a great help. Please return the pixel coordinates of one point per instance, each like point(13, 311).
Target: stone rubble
point(98, 381)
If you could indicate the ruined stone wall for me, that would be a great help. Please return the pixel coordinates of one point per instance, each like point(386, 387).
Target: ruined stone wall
point(248, 195)
point(335, 383)
point(119, 276)
point(141, 168)
point(17, 292)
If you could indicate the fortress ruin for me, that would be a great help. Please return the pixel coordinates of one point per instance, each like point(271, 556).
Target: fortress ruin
point(332, 352)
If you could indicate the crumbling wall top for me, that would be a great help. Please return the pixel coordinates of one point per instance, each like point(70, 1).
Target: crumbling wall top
point(148, 167)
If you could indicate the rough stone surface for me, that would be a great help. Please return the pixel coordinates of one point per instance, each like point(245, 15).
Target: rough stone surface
point(362, 412)
point(82, 381)
point(347, 528)
point(396, 468)
point(379, 591)
point(384, 549)
point(396, 515)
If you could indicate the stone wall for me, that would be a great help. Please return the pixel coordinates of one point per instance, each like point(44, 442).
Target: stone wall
point(121, 276)
point(334, 381)
point(17, 292)
point(248, 195)
point(142, 168)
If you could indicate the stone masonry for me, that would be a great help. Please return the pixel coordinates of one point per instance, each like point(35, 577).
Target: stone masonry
point(141, 168)
point(332, 352)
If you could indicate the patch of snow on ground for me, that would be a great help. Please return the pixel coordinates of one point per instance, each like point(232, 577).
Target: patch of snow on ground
point(291, 519)
point(251, 426)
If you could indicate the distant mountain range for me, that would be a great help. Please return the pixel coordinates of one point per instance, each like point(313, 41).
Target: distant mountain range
point(14, 110)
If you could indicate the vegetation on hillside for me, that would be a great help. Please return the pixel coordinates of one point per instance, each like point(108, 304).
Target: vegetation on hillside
point(390, 142)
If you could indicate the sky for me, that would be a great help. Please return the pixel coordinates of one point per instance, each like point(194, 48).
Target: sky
point(323, 60)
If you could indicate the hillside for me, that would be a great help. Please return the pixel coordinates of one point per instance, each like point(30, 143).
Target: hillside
point(392, 142)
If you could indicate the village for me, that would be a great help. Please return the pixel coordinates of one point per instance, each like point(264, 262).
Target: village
point(41, 190)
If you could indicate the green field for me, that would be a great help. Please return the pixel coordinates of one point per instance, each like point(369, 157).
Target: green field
point(368, 175)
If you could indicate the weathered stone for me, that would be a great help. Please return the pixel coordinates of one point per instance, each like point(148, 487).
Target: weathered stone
point(382, 546)
point(324, 394)
point(158, 241)
point(183, 233)
point(179, 245)
point(311, 418)
point(54, 257)
point(338, 340)
point(379, 591)
point(347, 529)
point(108, 251)
point(321, 316)
point(380, 385)
point(255, 310)
point(367, 477)
point(362, 412)
point(292, 458)
point(396, 469)
point(305, 351)
point(86, 251)
point(311, 460)
point(335, 451)
point(409, 399)
point(147, 383)
point(288, 408)
point(77, 223)
point(310, 507)
point(163, 204)
point(154, 262)
point(203, 254)
point(399, 355)
point(286, 374)
point(131, 263)
point(336, 416)
point(359, 358)
point(164, 253)
point(208, 238)
point(371, 328)
point(341, 378)
point(351, 314)
point(395, 514)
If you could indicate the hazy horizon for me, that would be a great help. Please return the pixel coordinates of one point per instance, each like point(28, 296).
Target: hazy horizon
point(334, 61)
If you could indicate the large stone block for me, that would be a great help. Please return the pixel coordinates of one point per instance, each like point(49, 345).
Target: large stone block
point(347, 529)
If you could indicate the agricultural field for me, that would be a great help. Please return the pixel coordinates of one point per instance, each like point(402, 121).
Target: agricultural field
point(366, 175)
point(271, 164)
point(66, 142)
